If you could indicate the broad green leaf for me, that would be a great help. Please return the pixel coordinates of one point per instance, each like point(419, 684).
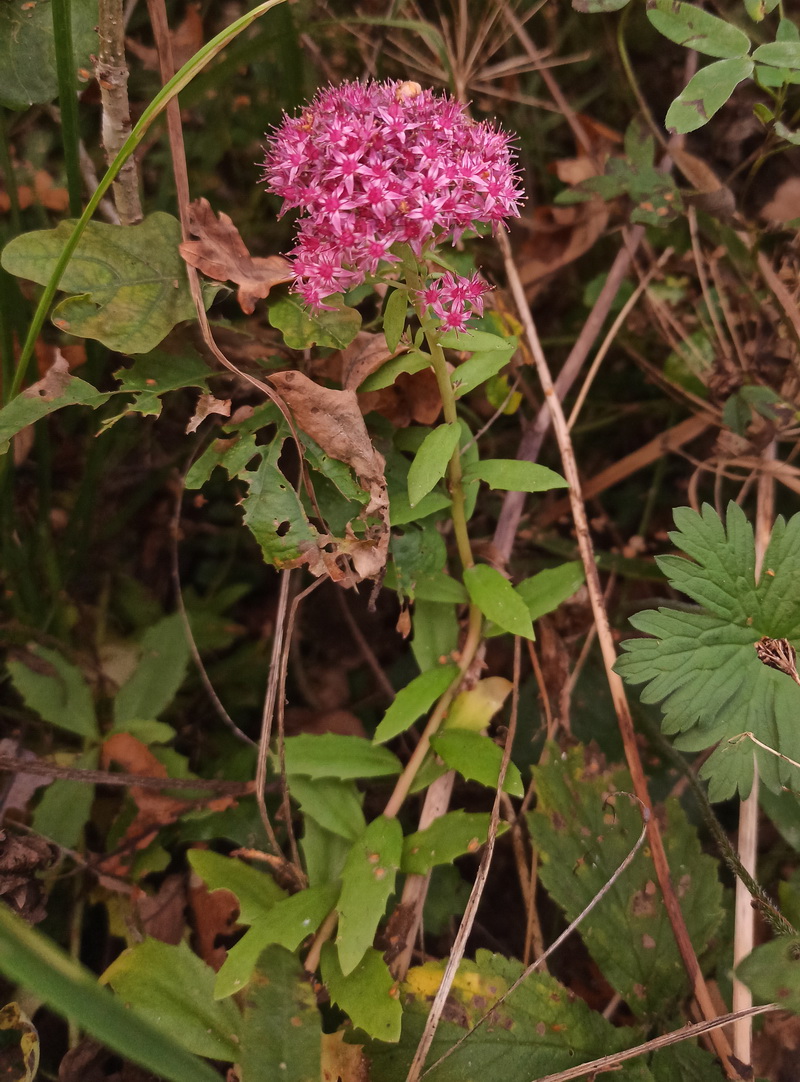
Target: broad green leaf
point(759, 9)
point(477, 758)
point(436, 631)
point(55, 391)
point(331, 755)
point(688, 25)
point(410, 362)
point(394, 317)
point(545, 591)
point(324, 853)
point(448, 837)
point(367, 881)
point(706, 93)
point(157, 372)
point(779, 54)
point(414, 700)
point(477, 341)
point(480, 367)
point(702, 666)
point(684, 1061)
point(302, 327)
point(287, 924)
point(542, 1028)
point(19, 1045)
point(281, 1028)
point(161, 671)
point(66, 805)
point(583, 834)
point(130, 281)
point(29, 958)
point(275, 516)
point(431, 460)
point(595, 7)
point(334, 804)
point(257, 891)
point(515, 475)
point(56, 690)
point(498, 600)
point(368, 995)
point(174, 989)
point(772, 972)
point(400, 510)
point(28, 53)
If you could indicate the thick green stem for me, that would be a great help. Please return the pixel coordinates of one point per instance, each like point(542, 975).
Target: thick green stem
point(68, 100)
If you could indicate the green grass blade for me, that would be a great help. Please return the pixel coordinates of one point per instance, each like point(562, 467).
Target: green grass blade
point(31, 959)
point(68, 100)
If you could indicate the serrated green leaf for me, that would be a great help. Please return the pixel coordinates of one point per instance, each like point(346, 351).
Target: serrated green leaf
point(498, 601)
point(448, 837)
point(515, 475)
point(431, 460)
point(545, 591)
point(779, 54)
point(332, 755)
point(129, 282)
point(542, 1028)
point(28, 54)
point(56, 690)
point(394, 317)
point(303, 327)
point(415, 699)
point(164, 657)
point(368, 995)
point(772, 972)
point(157, 372)
point(694, 28)
point(583, 835)
point(173, 988)
point(281, 1027)
point(334, 804)
point(256, 891)
point(287, 924)
point(477, 758)
point(55, 391)
point(367, 881)
point(705, 94)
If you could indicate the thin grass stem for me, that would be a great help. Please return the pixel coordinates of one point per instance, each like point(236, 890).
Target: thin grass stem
point(68, 100)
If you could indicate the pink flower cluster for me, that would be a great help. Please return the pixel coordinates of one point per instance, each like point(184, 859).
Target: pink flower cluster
point(373, 164)
point(454, 298)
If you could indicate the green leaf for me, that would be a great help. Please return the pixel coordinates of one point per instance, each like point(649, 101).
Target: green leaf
point(448, 837)
point(164, 657)
point(19, 1045)
point(281, 1029)
point(324, 853)
point(287, 924)
point(400, 510)
point(481, 366)
point(583, 835)
point(157, 372)
point(594, 7)
point(435, 633)
point(275, 516)
point(56, 690)
point(368, 995)
point(303, 327)
point(367, 881)
point(772, 972)
point(331, 755)
point(174, 988)
point(477, 758)
point(706, 93)
point(394, 317)
point(779, 54)
point(334, 804)
point(414, 700)
point(477, 341)
point(29, 958)
point(688, 25)
point(515, 475)
point(759, 9)
point(410, 362)
point(28, 53)
point(257, 891)
point(498, 600)
point(545, 591)
point(66, 805)
point(55, 391)
point(541, 1029)
point(431, 460)
point(702, 666)
point(130, 280)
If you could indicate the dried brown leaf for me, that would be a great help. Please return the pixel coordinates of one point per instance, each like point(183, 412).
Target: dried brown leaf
point(186, 38)
point(208, 404)
point(365, 354)
point(220, 253)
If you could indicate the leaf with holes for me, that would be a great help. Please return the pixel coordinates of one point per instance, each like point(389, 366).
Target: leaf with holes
point(129, 282)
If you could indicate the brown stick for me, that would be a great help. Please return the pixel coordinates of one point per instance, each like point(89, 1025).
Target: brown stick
point(604, 636)
point(111, 70)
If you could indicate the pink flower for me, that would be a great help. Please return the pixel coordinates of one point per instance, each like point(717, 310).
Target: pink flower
point(372, 164)
point(454, 298)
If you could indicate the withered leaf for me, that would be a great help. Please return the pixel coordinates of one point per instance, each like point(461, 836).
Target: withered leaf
point(207, 404)
point(220, 253)
point(186, 39)
point(365, 354)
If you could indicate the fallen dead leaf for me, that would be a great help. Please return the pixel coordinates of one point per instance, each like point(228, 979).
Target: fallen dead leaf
point(163, 915)
point(206, 405)
point(557, 236)
point(42, 191)
point(186, 38)
point(413, 398)
point(220, 253)
point(334, 420)
point(342, 1062)
point(214, 915)
point(365, 355)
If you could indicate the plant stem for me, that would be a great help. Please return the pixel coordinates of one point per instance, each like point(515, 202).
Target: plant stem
point(111, 71)
point(68, 100)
